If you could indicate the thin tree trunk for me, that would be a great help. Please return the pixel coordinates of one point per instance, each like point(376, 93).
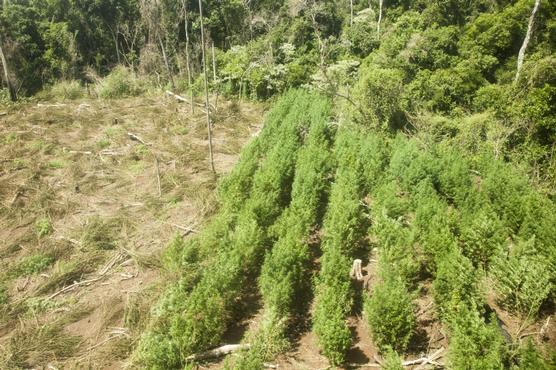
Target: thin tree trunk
point(187, 57)
point(11, 89)
point(215, 78)
point(209, 128)
point(168, 71)
point(521, 55)
point(379, 18)
point(351, 12)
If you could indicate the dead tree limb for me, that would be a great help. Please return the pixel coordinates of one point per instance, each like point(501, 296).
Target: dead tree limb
point(218, 352)
point(134, 137)
point(521, 55)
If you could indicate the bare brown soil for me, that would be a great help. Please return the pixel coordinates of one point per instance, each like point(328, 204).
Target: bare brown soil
point(73, 166)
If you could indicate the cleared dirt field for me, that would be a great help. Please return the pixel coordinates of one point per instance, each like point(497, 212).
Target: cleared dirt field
point(90, 194)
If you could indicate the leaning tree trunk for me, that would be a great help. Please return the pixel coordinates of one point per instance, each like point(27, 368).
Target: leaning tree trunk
point(521, 55)
point(379, 18)
point(166, 63)
point(207, 106)
point(11, 89)
point(187, 57)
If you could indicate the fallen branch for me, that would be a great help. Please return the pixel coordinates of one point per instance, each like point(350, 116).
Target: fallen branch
point(158, 176)
point(3, 114)
point(134, 137)
point(73, 286)
point(80, 152)
point(58, 105)
point(188, 229)
point(181, 99)
point(219, 352)
point(430, 360)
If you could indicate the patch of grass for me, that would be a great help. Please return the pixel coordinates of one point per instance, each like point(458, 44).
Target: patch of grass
point(43, 227)
point(100, 234)
point(113, 132)
point(37, 305)
point(56, 164)
point(10, 138)
point(103, 143)
point(121, 82)
point(31, 347)
point(3, 295)
point(137, 167)
point(31, 265)
point(66, 272)
point(67, 90)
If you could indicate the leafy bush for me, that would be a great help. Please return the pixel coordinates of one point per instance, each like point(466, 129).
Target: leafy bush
point(390, 313)
point(523, 283)
point(392, 360)
point(377, 94)
point(529, 358)
point(482, 236)
point(121, 82)
point(67, 90)
point(31, 265)
point(473, 343)
point(455, 284)
point(43, 227)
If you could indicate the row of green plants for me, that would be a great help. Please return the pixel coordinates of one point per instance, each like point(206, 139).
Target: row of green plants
point(195, 316)
point(344, 230)
point(285, 278)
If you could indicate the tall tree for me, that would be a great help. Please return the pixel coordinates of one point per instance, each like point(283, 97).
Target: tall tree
point(521, 55)
point(207, 106)
point(11, 89)
point(187, 52)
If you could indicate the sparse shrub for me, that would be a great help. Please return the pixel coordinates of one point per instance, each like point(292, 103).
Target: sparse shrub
point(395, 246)
point(120, 83)
point(43, 227)
point(67, 90)
point(529, 358)
point(392, 360)
point(455, 284)
point(390, 312)
point(31, 265)
point(522, 282)
point(473, 343)
point(99, 234)
point(103, 143)
point(482, 236)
